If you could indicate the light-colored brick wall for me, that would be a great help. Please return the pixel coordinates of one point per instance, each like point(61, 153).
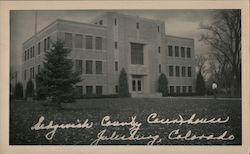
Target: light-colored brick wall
point(151, 33)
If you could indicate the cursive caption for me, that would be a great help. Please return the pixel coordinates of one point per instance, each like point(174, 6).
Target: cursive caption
point(134, 129)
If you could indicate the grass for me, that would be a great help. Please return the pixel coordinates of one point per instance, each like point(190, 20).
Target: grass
point(24, 114)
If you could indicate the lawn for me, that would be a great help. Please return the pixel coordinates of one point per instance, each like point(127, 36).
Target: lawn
point(24, 115)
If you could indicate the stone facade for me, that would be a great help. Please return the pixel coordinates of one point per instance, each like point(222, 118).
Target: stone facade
point(113, 41)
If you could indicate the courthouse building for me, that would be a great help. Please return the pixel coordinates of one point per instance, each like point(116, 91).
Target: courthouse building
point(113, 41)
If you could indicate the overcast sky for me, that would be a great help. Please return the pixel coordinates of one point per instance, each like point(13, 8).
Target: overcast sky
point(183, 23)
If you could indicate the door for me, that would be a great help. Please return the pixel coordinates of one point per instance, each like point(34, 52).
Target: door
point(137, 85)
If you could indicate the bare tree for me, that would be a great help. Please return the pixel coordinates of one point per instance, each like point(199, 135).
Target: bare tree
point(224, 36)
point(201, 63)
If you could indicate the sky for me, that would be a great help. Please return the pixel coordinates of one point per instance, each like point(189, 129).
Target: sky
point(183, 23)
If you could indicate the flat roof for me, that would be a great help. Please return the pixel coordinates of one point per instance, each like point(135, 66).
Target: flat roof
point(179, 37)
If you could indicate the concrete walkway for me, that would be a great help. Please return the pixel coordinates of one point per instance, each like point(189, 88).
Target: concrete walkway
point(190, 97)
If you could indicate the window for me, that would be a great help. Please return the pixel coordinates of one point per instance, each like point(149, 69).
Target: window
point(78, 41)
point(44, 44)
point(176, 51)
point(136, 53)
point(116, 89)
point(188, 52)
point(89, 90)
point(89, 42)
point(39, 48)
point(24, 74)
point(68, 40)
point(100, 22)
point(98, 90)
point(28, 54)
point(171, 89)
point(137, 25)
point(38, 68)
point(48, 43)
point(183, 71)
point(139, 87)
point(25, 55)
point(115, 21)
point(177, 71)
point(159, 49)
point(178, 89)
point(182, 52)
point(189, 72)
point(116, 65)
point(184, 89)
point(33, 51)
point(134, 85)
point(78, 66)
point(171, 70)
point(89, 64)
point(190, 89)
point(158, 28)
point(159, 68)
point(98, 67)
point(170, 50)
point(116, 45)
point(32, 74)
point(98, 43)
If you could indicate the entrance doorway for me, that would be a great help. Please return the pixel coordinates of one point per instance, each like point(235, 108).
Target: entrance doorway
point(137, 85)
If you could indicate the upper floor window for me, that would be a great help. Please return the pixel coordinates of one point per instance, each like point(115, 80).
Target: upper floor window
point(137, 25)
point(159, 68)
point(116, 65)
point(33, 50)
point(182, 52)
point(158, 28)
point(100, 22)
point(89, 65)
point(177, 71)
point(44, 44)
point(48, 44)
point(176, 51)
point(39, 48)
point(137, 53)
point(89, 42)
point(189, 72)
point(116, 44)
point(32, 73)
point(183, 71)
point(68, 40)
point(115, 21)
point(78, 66)
point(78, 40)
point(24, 55)
point(171, 70)
point(159, 49)
point(98, 67)
point(30, 52)
point(38, 68)
point(170, 50)
point(188, 52)
point(98, 43)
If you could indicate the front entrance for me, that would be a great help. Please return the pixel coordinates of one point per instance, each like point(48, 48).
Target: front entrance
point(137, 85)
